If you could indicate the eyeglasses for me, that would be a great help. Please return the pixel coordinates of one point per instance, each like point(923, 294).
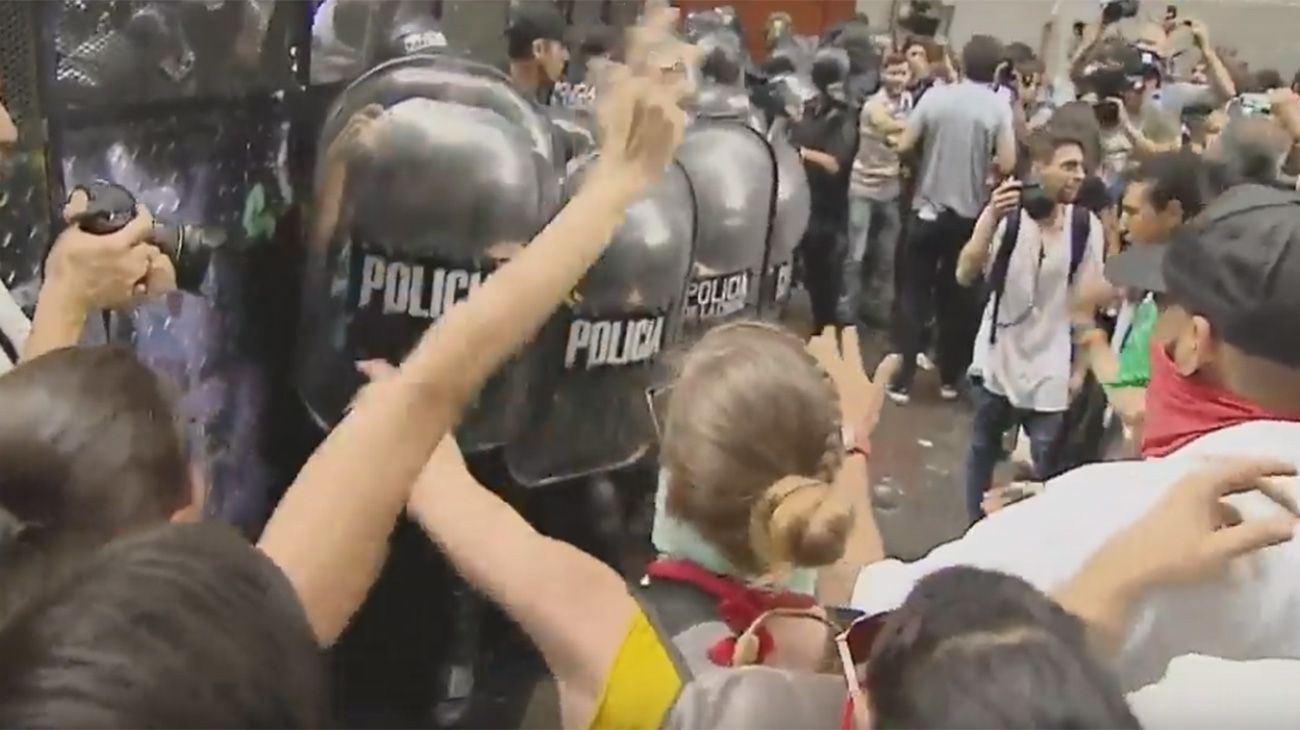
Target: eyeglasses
point(852, 640)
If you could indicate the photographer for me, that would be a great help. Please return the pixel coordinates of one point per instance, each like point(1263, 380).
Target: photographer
point(1032, 244)
point(86, 273)
point(1141, 112)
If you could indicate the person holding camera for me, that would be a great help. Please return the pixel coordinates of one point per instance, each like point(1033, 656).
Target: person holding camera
point(85, 273)
point(1032, 245)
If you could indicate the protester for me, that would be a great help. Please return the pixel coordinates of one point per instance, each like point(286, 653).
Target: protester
point(962, 128)
point(874, 189)
point(974, 647)
point(1032, 252)
point(1165, 192)
point(1225, 382)
point(89, 451)
point(760, 487)
point(182, 626)
point(332, 569)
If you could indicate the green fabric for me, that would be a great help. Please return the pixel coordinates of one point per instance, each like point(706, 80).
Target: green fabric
point(1135, 354)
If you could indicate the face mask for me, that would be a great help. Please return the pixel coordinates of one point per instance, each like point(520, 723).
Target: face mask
point(1180, 409)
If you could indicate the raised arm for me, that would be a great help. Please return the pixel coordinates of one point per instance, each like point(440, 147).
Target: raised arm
point(974, 256)
point(330, 531)
point(860, 403)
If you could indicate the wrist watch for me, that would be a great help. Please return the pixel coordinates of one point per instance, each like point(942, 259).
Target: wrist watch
point(854, 442)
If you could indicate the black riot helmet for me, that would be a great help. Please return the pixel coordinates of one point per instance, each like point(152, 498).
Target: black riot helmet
point(588, 373)
point(429, 169)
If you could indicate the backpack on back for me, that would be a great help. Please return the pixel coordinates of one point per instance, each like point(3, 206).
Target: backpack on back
point(1080, 227)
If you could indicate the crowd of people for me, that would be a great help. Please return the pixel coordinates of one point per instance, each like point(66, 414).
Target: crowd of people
point(1118, 257)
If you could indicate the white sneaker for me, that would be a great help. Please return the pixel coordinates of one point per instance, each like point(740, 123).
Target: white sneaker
point(948, 392)
point(924, 362)
point(898, 395)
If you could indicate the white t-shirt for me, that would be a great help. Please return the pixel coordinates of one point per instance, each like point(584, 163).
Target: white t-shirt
point(1252, 613)
point(1029, 364)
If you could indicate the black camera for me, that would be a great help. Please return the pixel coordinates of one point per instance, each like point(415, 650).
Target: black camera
point(110, 207)
point(1035, 201)
point(1116, 10)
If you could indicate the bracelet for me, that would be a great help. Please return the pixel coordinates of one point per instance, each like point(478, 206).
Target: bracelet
point(853, 444)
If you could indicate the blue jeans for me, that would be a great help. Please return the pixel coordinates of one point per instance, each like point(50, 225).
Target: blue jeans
point(994, 415)
point(868, 287)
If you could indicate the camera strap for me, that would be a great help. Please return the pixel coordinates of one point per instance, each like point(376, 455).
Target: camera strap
point(1080, 227)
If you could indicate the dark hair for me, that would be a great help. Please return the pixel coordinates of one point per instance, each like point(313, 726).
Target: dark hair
point(893, 58)
point(1076, 119)
point(933, 51)
point(183, 626)
point(1173, 176)
point(1044, 143)
point(830, 66)
point(974, 648)
point(531, 22)
point(598, 40)
point(981, 58)
point(1094, 195)
point(1267, 79)
point(1018, 52)
point(89, 450)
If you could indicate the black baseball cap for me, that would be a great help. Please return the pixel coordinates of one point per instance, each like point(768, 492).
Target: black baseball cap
point(533, 21)
point(1237, 264)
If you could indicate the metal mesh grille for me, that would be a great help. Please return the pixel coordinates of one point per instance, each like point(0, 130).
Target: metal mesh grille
point(18, 62)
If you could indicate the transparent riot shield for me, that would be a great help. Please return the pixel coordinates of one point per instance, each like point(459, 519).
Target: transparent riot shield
point(431, 171)
point(114, 53)
point(733, 178)
point(789, 221)
point(588, 373)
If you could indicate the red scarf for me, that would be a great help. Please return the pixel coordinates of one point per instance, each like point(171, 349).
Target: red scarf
point(1181, 410)
point(739, 605)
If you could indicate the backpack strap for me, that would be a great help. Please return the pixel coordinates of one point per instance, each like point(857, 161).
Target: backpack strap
point(1080, 230)
point(997, 280)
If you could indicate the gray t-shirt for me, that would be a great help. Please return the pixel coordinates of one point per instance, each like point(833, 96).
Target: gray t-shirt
point(960, 125)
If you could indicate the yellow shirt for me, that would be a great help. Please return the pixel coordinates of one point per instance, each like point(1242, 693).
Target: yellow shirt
point(642, 685)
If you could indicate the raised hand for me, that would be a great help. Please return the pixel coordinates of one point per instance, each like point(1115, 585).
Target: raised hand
point(861, 397)
point(1192, 533)
point(638, 106)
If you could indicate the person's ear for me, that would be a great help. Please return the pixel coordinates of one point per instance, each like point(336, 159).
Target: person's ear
point(539, 48)
point(1194, 348)
point(1172, 215)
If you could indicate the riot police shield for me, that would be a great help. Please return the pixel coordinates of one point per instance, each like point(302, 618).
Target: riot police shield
point(185, 105)
point(732, 174)
point(431, 169)
point(789, 220)
point(127, 52)
point(588, 373)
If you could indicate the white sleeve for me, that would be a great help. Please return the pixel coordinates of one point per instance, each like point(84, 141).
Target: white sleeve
point(1253, 612)
point(1045, 539)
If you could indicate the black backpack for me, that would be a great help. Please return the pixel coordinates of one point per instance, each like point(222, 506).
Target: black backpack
point(1080, 227)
